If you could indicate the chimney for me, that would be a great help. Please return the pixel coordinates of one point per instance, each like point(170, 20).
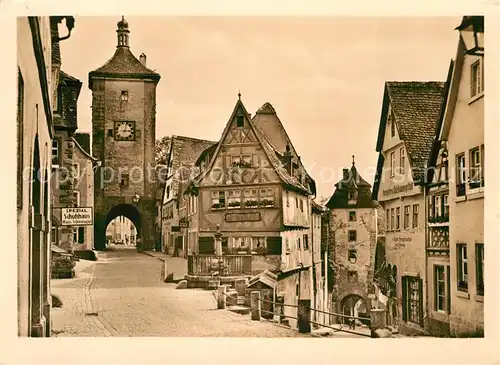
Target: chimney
point(142, 58)
point(288, 160)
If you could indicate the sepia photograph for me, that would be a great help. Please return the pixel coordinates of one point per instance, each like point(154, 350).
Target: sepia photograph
point(251, 176)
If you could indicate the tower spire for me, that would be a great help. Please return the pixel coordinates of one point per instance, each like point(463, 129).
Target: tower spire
point(353, 160)
point(122, 33)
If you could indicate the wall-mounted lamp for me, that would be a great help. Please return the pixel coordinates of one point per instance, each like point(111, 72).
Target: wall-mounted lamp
point(472, 33)
point(136, 198)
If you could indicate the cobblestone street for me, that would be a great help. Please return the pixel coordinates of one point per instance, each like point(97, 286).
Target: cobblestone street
point(122, 295)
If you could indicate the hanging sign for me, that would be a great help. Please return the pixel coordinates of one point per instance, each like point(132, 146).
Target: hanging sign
point(80, 216)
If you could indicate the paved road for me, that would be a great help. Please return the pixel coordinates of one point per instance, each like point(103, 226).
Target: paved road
point(123, 295)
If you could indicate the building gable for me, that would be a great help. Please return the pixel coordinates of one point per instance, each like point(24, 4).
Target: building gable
point(414, 107)
point(239, 134)
point(269, 124)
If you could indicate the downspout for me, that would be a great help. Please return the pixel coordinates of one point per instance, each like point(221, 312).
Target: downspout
point(426, 264)
point(313, 273)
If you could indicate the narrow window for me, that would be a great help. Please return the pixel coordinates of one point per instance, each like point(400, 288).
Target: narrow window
point(398, 214)
point(352, 256)
point(81, 234)
point(239, 121)
point(76, 199)
point(480, 269)
point(402, 160)
point(439, 288)
point(406, 221)
point(124, 181)
point(476, 86)
point(415, 216)
point(462, 272)
point(306, 242)
point(475, 168)
point(352, 235)
point(352, 216)
point(461, 175)
point(124, 95)
point(393, 163)
point(55, 153)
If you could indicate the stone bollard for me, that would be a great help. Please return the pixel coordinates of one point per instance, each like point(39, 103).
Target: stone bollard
point(304, 316)
point(221, 297)
point(240, 285)
point(255, 305)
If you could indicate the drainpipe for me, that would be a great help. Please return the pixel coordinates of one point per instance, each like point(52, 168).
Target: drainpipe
point(426, 241)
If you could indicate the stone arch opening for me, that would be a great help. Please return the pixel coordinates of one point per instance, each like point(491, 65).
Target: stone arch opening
point(354, 305)
point(124, 220)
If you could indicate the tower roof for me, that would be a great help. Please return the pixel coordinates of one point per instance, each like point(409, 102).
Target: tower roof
point(123, 64)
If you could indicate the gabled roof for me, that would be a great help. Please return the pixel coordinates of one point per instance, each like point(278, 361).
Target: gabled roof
point(207, 152)
point(415, 107)
point(288, 180)
point(69, 89)
point(83, 140)
point(316, 208)
point(183, 154)
point(453, 91)
point(266, 124)
point(437, 141)
point(83, 151)
point(266, 277)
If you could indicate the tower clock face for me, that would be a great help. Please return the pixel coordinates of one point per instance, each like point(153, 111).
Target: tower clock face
point(125, 131)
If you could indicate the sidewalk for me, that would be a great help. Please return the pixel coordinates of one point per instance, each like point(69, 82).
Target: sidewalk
point(173, 265)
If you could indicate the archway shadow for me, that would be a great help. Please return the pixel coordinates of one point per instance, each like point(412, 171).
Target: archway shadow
point(128, 211)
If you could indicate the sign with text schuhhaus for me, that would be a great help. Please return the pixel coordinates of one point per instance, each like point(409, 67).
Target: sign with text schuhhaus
point(81, 216)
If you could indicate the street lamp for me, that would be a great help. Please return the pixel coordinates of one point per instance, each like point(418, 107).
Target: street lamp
point(136, 198)
point(472, 33)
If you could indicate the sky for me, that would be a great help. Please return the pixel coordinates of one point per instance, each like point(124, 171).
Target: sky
point(323, 75)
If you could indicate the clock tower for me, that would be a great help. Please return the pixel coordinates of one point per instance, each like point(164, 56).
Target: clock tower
point(123, 131)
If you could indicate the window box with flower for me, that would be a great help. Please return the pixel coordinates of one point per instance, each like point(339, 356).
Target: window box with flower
point(234, 205)
point(439, 220)
point(266, 203)
point(216, 206)
point(251, 204)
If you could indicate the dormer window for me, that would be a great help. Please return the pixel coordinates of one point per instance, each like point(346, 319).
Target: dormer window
point(352, 196)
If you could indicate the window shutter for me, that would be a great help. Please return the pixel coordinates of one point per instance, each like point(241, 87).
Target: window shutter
point(81, 234)
point(404, 297)
point(274, 245)
point(421, 301)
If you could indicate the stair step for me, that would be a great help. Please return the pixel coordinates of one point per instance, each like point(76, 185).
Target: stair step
point(239, 309)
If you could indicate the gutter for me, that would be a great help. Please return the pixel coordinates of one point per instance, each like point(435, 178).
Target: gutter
point(42, 71)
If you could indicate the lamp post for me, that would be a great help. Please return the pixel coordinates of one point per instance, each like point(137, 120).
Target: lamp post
point(472, 33)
